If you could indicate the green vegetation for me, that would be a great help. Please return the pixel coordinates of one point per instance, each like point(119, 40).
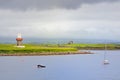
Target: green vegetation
point(85, 46)
point(32, 48)
point(51, 49)
point(94, 46)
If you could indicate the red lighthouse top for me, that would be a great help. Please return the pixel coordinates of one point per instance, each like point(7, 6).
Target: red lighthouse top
point(19, 38)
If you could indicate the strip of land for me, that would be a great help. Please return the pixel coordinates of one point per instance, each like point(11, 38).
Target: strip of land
point(52, 49)
point(43, 54)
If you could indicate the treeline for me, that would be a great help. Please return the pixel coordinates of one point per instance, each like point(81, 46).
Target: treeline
point(95, 46)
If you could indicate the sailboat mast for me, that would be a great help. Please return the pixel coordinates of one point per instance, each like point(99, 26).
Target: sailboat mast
point(105, 51)
point(105, 60)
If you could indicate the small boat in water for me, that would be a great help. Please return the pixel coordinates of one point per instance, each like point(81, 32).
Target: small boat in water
point(105, 60)
point(40, 66)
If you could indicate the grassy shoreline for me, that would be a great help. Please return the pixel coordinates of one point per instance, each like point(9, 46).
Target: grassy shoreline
point(51, 49)
point(31, 50)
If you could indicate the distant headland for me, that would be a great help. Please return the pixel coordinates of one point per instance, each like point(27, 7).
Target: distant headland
point(22, 49)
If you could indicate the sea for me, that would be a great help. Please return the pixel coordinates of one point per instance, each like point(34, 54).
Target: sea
point(62, 67)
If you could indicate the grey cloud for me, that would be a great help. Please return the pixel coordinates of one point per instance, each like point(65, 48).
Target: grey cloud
point(46, 4)
point(98, 21)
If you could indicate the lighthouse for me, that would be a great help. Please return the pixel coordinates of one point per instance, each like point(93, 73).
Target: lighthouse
point(19, 40)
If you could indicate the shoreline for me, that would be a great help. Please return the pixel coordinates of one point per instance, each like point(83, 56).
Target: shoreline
point(44, 53)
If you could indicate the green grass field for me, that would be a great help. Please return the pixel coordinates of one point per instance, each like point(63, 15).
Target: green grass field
point(31, 48)
point(94, 46)
point(52, 48)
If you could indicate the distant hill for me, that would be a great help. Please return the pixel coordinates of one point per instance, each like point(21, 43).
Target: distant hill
point(57, 41)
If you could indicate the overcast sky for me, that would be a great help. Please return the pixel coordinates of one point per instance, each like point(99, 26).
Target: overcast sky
point(77, 19)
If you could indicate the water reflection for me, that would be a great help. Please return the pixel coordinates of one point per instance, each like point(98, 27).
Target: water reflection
point(66, 67)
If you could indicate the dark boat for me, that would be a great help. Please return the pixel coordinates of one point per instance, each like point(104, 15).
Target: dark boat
point(40, 66)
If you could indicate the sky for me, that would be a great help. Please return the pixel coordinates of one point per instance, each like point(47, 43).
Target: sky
point(74, 19)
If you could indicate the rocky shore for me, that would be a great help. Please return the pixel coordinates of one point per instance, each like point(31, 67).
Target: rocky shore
point(45, 53)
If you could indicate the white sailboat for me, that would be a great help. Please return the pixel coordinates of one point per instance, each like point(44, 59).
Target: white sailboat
point(105, 60)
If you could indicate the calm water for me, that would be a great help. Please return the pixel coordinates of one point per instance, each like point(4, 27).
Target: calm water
point(66, 67)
